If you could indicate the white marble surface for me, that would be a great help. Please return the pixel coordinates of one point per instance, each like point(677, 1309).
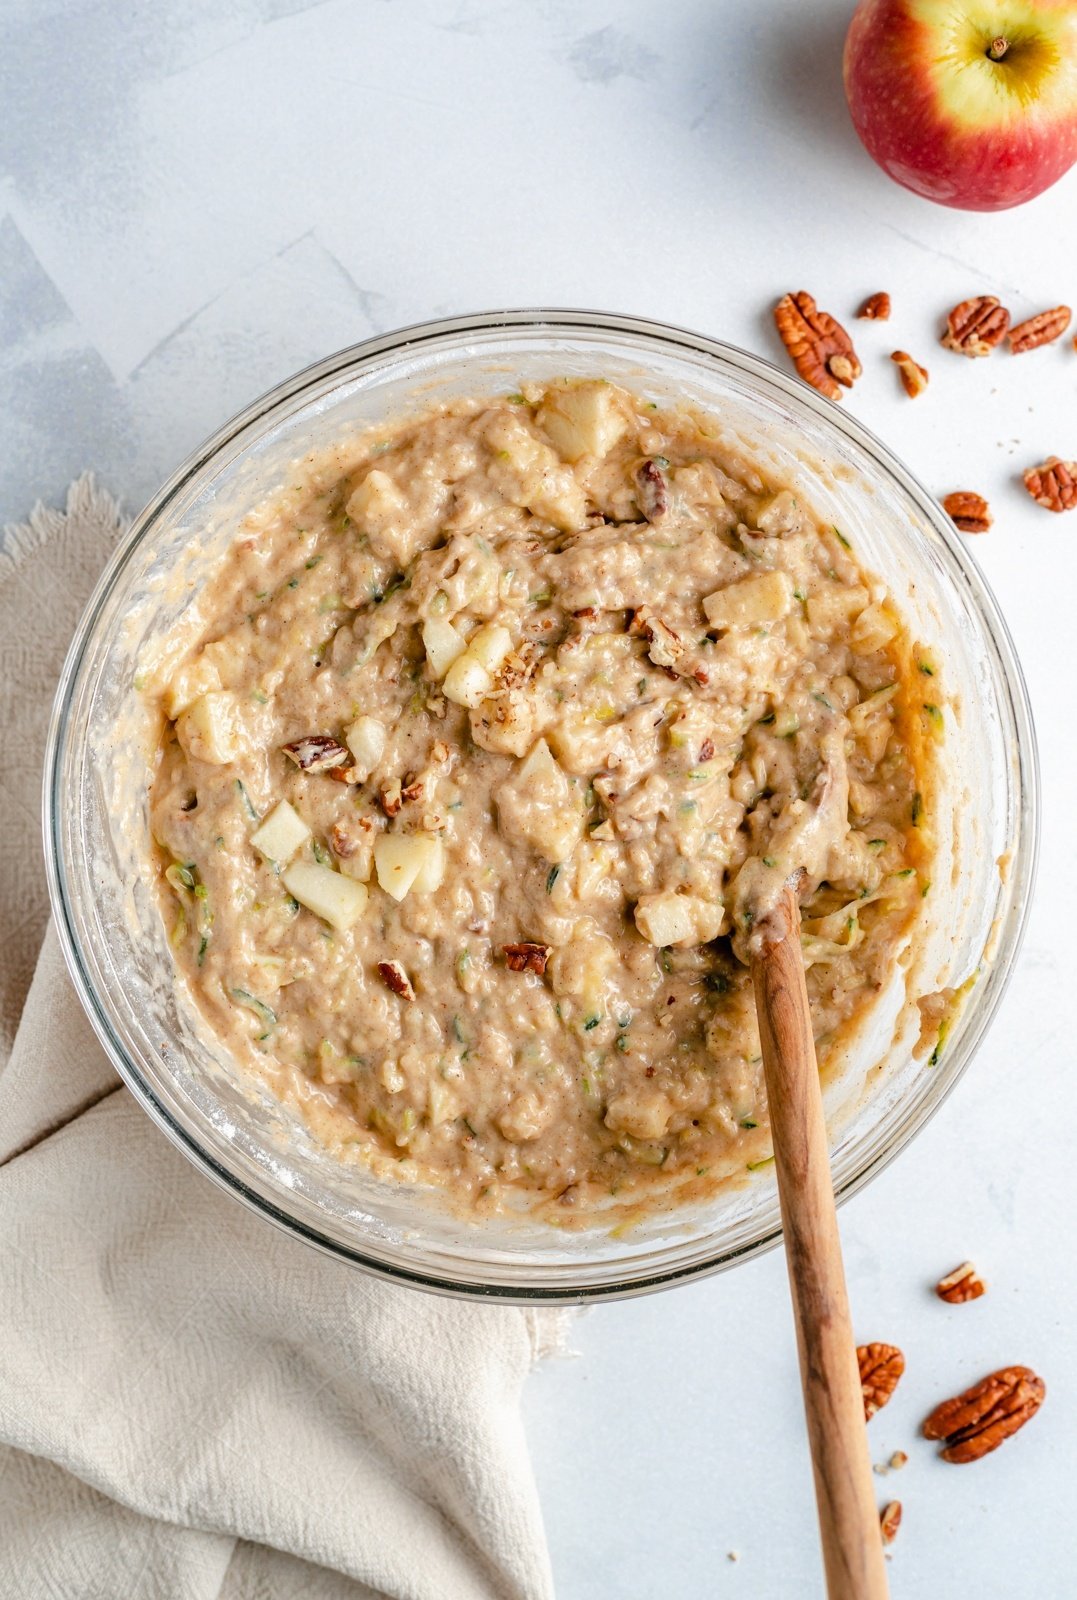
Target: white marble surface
point(199, 197)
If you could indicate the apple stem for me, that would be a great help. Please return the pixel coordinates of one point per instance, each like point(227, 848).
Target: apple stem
point(998, 48)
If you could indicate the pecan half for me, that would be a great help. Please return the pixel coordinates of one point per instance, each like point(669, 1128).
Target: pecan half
point(978, 1421)
point(820, 348)
point(976, 326)
point(1053, 484)
point(526, 957)
point(890, 1521)
point(1044, 328)
point(395, 978)
point(964, 1283)
point(652, 491)
point(876, 308)
point(318, 752)
point(914, 377)
point(968, 511)
point(881, 1366)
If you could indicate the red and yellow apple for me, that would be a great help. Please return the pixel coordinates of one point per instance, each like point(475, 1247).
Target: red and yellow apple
point(972, 103)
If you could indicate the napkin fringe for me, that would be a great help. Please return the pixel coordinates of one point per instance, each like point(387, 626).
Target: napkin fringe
point(86, 502)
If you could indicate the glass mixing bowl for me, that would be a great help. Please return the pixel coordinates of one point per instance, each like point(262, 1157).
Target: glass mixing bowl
point(96, 823)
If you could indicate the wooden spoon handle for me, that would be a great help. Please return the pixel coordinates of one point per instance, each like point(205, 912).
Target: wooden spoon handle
point(833, 1402)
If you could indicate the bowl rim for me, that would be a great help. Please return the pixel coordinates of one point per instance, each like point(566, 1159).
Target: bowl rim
point(553, 320)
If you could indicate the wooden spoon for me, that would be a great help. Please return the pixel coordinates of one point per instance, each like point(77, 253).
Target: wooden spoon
point(829, 1375)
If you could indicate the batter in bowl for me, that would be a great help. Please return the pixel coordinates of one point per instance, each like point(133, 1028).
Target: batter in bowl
point(501, 730)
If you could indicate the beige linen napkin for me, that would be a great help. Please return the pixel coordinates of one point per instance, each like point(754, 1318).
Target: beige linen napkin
point(192, 1405)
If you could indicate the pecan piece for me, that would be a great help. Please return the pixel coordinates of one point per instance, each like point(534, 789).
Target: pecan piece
point(968, 511)
point(652, 491)
point(318, 752)
point(342, 841)
point(413, 789)
point(978, 1421)
point(345, 774)
point(516, 669)
point(1053, 484)
point(876, 308)
point(913, 376)
point(706, 750)
point(395, 978)
point(964, 1283)
point(976, 326)
point(526, 957)
point(1044, 328)
point(392, 798)
point(663, 645)
point(820, 348)
point(890, 1521)
point(881, 1366)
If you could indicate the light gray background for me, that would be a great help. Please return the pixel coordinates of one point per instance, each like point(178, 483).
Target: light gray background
point(197, 197)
